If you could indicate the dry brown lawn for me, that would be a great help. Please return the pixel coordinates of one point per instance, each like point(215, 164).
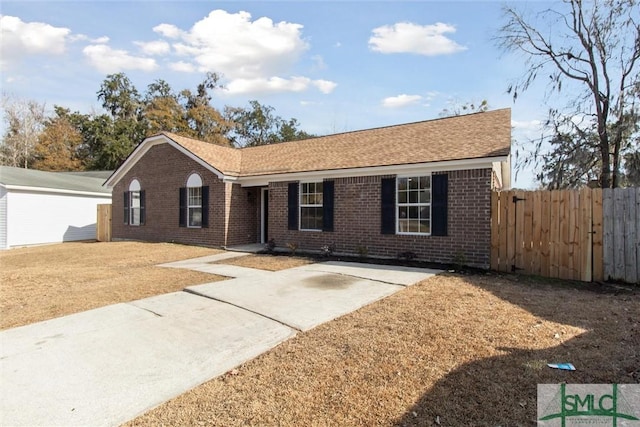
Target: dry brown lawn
point(267, 262)
point(454, 350)
point(40, 283)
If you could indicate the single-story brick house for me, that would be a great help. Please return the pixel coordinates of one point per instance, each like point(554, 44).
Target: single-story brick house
point(421, 187)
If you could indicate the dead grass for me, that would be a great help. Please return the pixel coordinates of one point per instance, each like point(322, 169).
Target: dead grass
point(267, 262)
point(462, 350)
point(40, 283)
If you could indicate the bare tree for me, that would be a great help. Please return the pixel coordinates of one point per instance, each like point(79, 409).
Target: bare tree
point(24, 123)
point(589, 52)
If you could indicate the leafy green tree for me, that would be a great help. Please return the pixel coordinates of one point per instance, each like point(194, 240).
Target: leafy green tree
point(259, 125)
point(204, 121)
point(162, 110)
point(589, 53)
point(58, 147)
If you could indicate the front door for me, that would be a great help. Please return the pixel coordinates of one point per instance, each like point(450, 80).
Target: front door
point(264, 216)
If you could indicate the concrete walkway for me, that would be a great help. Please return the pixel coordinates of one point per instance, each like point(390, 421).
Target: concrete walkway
point(108, 365)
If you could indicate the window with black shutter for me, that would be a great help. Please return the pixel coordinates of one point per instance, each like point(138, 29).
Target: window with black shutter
point(388, 211)
point(439, 209)
point(328, 189)
point(292, 206)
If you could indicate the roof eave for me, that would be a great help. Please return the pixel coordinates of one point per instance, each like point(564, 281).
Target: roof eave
point(142, 149)
point(27, 188)
point(401, 169)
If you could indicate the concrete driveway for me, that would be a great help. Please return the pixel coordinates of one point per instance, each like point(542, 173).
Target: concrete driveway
point(108, 365)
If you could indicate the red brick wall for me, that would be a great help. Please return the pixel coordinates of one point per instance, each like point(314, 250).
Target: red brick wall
point(244, 206)
point(161, 172)
point(357, 221)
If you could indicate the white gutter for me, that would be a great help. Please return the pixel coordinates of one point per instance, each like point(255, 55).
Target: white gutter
point(55, 190)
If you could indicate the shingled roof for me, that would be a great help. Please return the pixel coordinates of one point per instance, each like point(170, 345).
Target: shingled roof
point(91, 182)
point(472, 136)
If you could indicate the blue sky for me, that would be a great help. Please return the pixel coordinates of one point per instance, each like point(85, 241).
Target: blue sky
point(335, 66)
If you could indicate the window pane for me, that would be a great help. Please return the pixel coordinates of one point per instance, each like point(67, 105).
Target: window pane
point(425, 226)
point(425, 213)
point(402, 197)
point(425, 196)
point(413, 226)
point(413, 212)
point(195, 217)
point(402, 184)
point(135, 199)
point(402, 212)
point(195, 196)
point(413, 183)
point(311, 218)
point(135, 216)
point(413, 197)
point(425, 182)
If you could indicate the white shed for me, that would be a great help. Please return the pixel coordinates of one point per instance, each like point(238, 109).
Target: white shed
point(39, 207)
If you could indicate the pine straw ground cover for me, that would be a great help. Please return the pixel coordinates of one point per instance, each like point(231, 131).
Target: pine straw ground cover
point(43, 282)
point(454, 350)
point(267, 262)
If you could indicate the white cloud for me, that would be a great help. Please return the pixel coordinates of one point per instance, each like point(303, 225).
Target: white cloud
point(236, 46)
point(325, 86)
point(527, 125)
point(19, 39)
point(401, 101)
point(157, 47)
point(406, 37)
point(277, 84)
point(168, 30)
point(108, 60)
point(82, 37)
point(183, 67)
point(254, 56)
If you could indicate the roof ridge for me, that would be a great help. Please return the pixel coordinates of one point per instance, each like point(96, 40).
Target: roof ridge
point(460, 116)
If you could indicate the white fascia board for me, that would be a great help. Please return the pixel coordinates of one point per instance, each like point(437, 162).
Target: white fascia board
point(406, 170)
point(28, 189)
point(145, 146)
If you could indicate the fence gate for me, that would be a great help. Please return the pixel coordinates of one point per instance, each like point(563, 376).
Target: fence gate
point(103, 225)
point(548, 233)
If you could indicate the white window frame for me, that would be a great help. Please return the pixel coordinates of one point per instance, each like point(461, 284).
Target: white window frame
point(194, 183)
point(419, 205)
point(309, 205)
point(134, 194)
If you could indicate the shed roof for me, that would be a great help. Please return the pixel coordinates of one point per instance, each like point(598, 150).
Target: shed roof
point(63, 181)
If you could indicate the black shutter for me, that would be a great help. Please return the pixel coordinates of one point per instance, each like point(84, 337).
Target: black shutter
point(126, 208)
point(205, 206)
point(142, 207)
point(293, 206)
point(439, 188)
point(327, 205)
point(388, 211)
point(183, 207)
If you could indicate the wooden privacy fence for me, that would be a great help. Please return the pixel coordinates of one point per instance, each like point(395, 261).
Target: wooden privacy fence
point(103, 225)
point(588, 234)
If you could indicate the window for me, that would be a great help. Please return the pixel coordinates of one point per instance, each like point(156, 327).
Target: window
point(194, 206)
point(311, 206)
point(414, 205)
point(194, 201)
point(134, 204)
